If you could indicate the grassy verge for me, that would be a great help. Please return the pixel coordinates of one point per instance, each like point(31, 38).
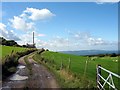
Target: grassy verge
point(29, 65)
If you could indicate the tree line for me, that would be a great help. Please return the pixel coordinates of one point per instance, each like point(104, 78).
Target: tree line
point(5, 42)
point(103, 55)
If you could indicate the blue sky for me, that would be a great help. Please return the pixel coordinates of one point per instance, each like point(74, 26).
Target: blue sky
point(62, 26)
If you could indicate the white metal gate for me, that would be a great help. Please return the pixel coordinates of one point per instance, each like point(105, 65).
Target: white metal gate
point(108, 80)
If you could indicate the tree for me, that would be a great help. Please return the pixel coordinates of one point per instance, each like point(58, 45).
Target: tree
point(2, 41)
point(24, 46)
point(7, 42)
point(113, 55)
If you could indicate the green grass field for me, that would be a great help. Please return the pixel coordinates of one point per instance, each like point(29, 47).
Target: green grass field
point(78, 64)
point(6, 50)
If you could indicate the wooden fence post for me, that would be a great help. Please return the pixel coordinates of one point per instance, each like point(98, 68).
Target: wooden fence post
point(61, 65)
point(52, 59)
point(85, 67)
point(69, 63)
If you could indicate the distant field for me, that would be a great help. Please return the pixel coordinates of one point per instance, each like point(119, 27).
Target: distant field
point(6, 50)
point(78, 63)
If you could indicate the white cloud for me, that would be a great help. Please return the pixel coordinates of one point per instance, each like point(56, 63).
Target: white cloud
point(57, 43)
point(28, 37)
point(37, 14)
point(7, 34)
point(20, 24)
point(96, 41)
point(80, 35)
point(41, 35)
point(87, 38)
point(106, 1)
point(23, 22)
point(25, 38)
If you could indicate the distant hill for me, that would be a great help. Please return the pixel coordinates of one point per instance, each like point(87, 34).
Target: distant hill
point(91, 52)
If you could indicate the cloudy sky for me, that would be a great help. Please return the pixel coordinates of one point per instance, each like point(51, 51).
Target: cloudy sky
point(62, 26)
